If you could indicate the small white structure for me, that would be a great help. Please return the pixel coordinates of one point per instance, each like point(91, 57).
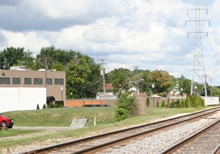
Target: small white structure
point(13, 99)
point(211, 100)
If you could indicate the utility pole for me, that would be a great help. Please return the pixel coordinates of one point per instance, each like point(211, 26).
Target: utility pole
point(198, 62)
point(103, 75)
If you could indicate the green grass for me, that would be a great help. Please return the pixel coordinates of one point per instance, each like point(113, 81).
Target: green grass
point(63, 116)
point(12, 132)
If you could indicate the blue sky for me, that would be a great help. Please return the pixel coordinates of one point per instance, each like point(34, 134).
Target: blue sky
point(149, 34)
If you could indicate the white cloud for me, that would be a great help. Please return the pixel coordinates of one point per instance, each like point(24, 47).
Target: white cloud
point(149, 34)
point(27, 40)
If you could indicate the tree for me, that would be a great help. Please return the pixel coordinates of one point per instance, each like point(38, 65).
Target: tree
point(46, 57)
point(77, 73)
point(120, 79)
point(161, 79)
point(11, 56)
point(185, 84)
point(126, 106)
point(145, 84)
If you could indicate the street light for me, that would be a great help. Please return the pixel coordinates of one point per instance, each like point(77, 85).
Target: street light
point(182, 93)
point(153, 93)
point(61, 89)
point(196, 90)
point(71, 94)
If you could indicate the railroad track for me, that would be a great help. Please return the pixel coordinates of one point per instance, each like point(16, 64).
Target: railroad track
point(206, 140)
point(95, 143)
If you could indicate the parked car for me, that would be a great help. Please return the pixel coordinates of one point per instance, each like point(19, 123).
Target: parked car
point(6, 122)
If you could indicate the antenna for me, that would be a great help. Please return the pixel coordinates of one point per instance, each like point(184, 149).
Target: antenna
point(198, 62)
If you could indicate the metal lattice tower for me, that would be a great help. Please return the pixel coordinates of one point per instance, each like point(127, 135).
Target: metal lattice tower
point(198, 62)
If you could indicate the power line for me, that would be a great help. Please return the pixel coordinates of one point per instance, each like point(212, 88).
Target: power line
point(140, 27)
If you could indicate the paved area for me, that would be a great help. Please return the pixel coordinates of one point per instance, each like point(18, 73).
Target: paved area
point(41, 128)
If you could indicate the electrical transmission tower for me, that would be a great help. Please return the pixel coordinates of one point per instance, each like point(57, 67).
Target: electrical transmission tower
point(198, 62)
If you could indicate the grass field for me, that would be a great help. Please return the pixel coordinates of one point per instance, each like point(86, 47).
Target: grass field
point(63, 116)
point(12, 132)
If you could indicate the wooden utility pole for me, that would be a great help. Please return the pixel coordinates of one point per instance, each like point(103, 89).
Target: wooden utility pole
point(103, 76)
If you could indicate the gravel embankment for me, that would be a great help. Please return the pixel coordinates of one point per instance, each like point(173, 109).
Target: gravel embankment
point(159, 142)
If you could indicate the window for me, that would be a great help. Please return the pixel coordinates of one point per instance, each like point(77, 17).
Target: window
point(58, 81)
point(16, 80)
point(38, 81)
point(4, 80)
point(49, 81)
point(27, 80)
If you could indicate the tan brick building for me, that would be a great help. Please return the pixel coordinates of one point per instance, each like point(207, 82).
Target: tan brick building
point(19, 77)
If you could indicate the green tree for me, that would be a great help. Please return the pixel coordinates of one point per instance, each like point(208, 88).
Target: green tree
point(126, 106)
point(162, 81)
point(46, 57)
point(120, 79)
point(11, 56)
point(58, 66)
point(76, 77)
point(185, 84)
point(145, 84)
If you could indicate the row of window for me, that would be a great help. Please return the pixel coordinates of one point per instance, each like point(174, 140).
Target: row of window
point(28, 81)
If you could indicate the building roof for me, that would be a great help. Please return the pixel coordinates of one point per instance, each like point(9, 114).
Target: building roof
point(142, 95)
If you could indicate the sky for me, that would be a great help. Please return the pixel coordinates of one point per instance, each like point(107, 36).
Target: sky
point(143, 34)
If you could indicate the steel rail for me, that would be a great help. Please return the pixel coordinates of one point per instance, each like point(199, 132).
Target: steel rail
point(75, 142)
point(180, 144)
point(217, 150)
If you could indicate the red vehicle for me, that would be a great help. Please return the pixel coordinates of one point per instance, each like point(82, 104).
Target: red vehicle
point(6, 122)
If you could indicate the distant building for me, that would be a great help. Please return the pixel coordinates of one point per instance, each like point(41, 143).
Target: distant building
point(22, 89)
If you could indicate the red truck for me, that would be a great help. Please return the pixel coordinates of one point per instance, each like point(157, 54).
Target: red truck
point(6, 122)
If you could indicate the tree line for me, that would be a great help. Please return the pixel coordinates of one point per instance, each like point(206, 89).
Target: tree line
point(83, 79)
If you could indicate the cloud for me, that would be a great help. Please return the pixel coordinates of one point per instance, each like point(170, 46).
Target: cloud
point(150, 34)
point(23, 40)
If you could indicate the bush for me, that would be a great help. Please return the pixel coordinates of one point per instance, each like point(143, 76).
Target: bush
point(182, 103)
point(38, 107)
point(168, 102)
point(60, 105)
point(50, 105)
point(163, 103)
point(187, 102)
point(178, 103)
point(172, 104)
point(44, 106)
point(157, 105)
point(148, 102)
point(126, 106)
point(194, 101)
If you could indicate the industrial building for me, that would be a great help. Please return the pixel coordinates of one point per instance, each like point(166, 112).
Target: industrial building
point(24, 89)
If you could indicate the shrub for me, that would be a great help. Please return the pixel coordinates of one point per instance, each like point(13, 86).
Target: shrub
point(182, 103)
point(38, 107)
point(60, 105)
point(44, 106)
point(56, 105)
point(173, 104)
point(168, 102)
point(126, 106)
point(178, 103)
point(51, 105)
point(148, 102)
point(157, 105)
point(163, 103)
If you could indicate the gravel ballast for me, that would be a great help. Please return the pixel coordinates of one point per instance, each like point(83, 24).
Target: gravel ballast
point(159, 142)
